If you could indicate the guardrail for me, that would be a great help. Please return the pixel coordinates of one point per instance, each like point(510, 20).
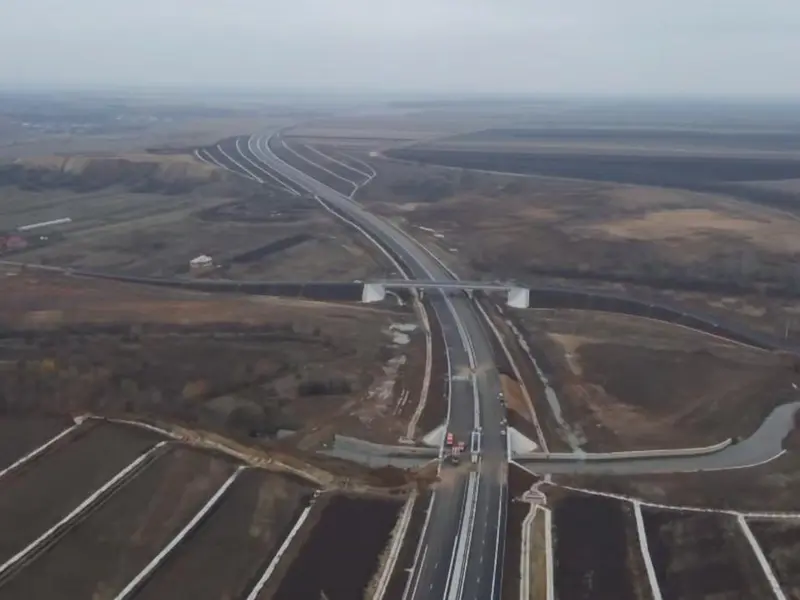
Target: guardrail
point(626, 455)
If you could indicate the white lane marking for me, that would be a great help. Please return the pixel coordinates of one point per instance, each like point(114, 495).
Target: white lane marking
point(373, 172)
point(78, 511)
point(145, 573)
point(465, 340)
point(645, 550)
point(279, 554)
point(318, 166)
point(199, 157)
point(263, 170)
point(250, 174)
point(38, 451)
point(214, 161)
point(500, 502)
point(419, 575)
point(762, 560)
point(340, 163)
point(355, 184)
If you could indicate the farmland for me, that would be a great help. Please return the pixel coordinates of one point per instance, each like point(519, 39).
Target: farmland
point(605, 564)
point(231, 549)
point(120, 533)
point(120, 538)
point(323, 567)
point(20, 436)
point(699, 556)
point(36, 496)
point(779, 540)
point(252, 386)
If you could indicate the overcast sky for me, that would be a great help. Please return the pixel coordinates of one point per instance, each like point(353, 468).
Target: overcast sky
point(498, 46)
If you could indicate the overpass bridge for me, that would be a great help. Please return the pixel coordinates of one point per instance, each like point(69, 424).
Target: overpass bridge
point(516, 296)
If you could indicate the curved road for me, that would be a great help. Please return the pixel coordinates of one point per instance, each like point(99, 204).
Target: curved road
point(451, 534)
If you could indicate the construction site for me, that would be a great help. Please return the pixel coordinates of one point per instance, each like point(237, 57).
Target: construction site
point(198, 398)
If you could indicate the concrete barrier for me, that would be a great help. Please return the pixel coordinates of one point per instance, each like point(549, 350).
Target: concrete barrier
point(343, 442)
point(626, 455)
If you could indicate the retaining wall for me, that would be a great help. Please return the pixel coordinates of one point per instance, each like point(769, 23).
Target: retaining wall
point(625, 455)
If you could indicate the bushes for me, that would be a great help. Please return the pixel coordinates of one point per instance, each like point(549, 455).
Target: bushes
point(330, 387)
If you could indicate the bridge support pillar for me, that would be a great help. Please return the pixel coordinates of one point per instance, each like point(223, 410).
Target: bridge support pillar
point(519, 297)
point(373, 292)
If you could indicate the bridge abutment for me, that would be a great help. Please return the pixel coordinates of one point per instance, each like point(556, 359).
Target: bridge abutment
point(519, 297)
point(373, 292)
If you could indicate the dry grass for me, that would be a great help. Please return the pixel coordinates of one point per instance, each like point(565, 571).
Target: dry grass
point(174, 167)
point(43, 299)
point(514, 397)
point(570, 345)
point(777, 235)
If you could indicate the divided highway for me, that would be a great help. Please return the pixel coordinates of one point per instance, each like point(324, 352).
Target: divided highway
point(462, 545)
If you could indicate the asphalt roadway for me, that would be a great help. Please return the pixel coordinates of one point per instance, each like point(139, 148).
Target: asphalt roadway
point(474, 391)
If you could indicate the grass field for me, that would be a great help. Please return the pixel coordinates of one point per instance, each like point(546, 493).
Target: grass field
point(238, 363)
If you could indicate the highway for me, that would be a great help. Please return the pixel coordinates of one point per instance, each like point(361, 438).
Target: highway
point(461, 548)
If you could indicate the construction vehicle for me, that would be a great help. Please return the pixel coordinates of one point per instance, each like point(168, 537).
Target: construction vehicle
point(455, 454)
point(456, 449)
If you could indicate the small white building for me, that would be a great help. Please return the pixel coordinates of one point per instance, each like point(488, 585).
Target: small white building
point(200, 263)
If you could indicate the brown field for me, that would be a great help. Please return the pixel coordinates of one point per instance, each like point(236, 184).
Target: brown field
point(321, 568)
point(19, 436)
point(223, 556)
point(250, 234)
point(39, 494)
point(779, 541)
point(771, 233)
point(228, 552)
point(703, 557)
point(630, 383)
point(189, 132)
point(528, 224)
point(530, 228)
point(596, 550)
point(122, 535)
point(380, 132)
point(247, 365)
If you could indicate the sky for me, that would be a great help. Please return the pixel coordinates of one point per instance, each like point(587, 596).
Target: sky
point(609, 47)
